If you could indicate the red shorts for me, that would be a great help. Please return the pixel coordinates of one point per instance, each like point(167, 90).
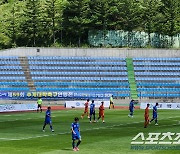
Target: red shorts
point(146, 118)
point(101, 114)
point(85, 111)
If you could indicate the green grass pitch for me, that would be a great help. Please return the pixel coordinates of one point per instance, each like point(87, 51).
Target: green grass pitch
point(21, 133)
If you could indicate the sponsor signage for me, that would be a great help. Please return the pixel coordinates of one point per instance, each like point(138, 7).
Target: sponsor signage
point(161, 105)
point(17, 107)
point(55, 95)
point(80, 104)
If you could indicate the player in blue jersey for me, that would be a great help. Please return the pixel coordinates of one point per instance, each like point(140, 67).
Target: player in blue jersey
point(75, 134)
point(155, 114)
point(92, 111)
point(48, 119)
point(131, 108)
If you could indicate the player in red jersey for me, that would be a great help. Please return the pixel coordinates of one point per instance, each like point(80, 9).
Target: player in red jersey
point(86, 109)
point(101, 112)
point(146, 116)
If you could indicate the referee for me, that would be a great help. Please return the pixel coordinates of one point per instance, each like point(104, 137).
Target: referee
point(111, 103)
point(39, 102)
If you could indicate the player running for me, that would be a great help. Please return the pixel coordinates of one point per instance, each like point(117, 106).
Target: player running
point(155, 114)
point(39, 102)
point(146, 116)
point(92, 111)
point(48, 119)
point(86, 109)
point(101, 112)
point(131, 108)
point(75, 134)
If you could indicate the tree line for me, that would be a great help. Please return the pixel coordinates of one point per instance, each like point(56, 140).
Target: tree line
point(67, 22)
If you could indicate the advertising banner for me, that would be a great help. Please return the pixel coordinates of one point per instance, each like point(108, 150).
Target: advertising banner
point(80, 104)
point(161, 105)
point(55, 95)
point(17, 107)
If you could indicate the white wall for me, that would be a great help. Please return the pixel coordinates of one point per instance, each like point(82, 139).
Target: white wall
point(91, 52)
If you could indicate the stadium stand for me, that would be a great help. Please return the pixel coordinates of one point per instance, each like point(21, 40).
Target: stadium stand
point(100, 74)
point(12, 76)
point(125, 77)
point(157, 77)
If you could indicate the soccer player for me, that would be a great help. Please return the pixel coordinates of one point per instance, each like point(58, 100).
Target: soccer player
point(146, 116)
point(155, 114)
point(92, 111)
point(101, 112)
point(131, 108)
point(39, 102)
point(48, 119)
point(111, 102)
point(85, 109)
point(75, 134)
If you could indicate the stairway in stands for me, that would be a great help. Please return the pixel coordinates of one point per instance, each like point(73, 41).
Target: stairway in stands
point(25, 68)
point(131, 79)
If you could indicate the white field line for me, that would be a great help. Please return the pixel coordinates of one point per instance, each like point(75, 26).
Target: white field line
point(11, 115)
point(97, 128)
point(24, 119)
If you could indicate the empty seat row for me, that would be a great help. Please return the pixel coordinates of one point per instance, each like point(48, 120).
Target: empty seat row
point(82, 78)
point(158, 73)
point(157, 59)
point(10, 68)
point(156, 64)
point(15, 89)
point(157, 68)
point(8, 57)
point(11, 72)
point(14, 83)
point(82, 84)
point(77, 68)
point(9, 62)
point(159, 95)
point(74, 63)
point(78, 73)
point(12, 78)
point(159, 89)
point(150, 84)
point(73, 58)
point(83, 89)
point(157, 79)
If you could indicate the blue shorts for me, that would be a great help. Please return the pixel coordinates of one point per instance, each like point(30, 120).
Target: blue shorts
point(131, 110)
point(48, 121)
point(92, 112)
point(154, 116)
point(76, 137)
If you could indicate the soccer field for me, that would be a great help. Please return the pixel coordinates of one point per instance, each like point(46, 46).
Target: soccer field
point(21, 133)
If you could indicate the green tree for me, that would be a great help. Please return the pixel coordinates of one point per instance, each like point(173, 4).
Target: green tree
point(171, 12)
point(131, 16)
point(3, 2)
point(75, 20)
point(105, 15)
point(53, 18)
point(149, 14)
point(98, 14)
point(5, 40)
point(32, 24)
point(13, 21)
